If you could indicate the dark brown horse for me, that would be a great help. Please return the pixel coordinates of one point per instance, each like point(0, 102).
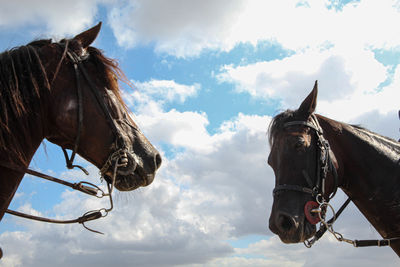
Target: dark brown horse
point(68, 93)
point(312, 156)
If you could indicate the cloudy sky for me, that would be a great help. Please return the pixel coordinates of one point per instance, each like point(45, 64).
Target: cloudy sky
point(208, 77)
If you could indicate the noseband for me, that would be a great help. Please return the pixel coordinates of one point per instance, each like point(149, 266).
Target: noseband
point(115, 160)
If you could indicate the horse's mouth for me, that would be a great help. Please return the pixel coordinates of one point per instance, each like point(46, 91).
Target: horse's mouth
point(306, 232)
point(130, 177)
point(302, 232)
point(133, 181)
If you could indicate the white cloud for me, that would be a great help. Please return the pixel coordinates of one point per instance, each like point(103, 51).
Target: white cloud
point(177, 27)
point(327, 250)
point(198, 200)
point(162, 90)
point(350, 87)
point(169, 127)
point(189, 27)
point(186, 28)
point(59, 17)
point(340, 73)
point(369, 107)
point(181, 129)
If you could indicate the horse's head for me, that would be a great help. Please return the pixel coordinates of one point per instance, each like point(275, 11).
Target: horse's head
point(299, 153)
point(85, 112)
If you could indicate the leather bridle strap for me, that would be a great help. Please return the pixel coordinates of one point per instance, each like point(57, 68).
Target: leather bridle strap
point(305, 123)
point(70, 160)
point(98, 97)
point(79, 68)
point(291, 187)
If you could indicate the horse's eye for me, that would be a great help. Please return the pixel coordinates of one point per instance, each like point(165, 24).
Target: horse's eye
point(300, 144)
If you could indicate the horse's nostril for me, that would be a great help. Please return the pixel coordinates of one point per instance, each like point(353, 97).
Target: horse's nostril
point(285, 223)
point(157, 161)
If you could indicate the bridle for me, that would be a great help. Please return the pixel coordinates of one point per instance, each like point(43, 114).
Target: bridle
point(117, 159)
point(315, 211)
point(324, 165)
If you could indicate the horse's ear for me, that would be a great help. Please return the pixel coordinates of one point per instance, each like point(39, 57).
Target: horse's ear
point(87, 37)
point(310, 103)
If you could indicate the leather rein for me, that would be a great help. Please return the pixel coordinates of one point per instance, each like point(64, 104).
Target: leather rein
point(118, 158)
point(317, 190)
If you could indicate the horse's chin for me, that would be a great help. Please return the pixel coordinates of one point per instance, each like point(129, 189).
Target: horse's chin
point(132, 181)
point(307, 232)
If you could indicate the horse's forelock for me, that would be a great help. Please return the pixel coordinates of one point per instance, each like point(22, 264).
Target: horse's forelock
point(277, 123)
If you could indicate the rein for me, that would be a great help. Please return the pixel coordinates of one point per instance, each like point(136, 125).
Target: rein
point(317, 190)
point(118, 158)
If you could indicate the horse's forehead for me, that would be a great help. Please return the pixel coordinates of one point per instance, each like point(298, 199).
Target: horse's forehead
point(284, 140)
point(284, 134)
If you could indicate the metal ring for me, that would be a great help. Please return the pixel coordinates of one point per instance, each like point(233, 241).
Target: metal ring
point(321, 206)
point(104, 212)
point(320, 199)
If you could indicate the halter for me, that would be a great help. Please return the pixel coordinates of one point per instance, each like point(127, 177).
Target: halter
point(317, 190)
point(118, 158)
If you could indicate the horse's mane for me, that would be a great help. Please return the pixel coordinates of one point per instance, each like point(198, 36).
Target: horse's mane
point(23, 79)
point(109, 70)
point(379, 141)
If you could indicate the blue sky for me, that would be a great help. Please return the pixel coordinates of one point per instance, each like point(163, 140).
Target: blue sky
point(208, 77)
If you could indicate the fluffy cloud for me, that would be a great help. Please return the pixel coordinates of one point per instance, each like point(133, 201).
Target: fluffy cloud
point(198, 200)
point(163, 90)
point(189, 27)
point(177, 27)
point(298, 255)
point(169, 127)
point(186, 28)
point(350, 85)
point(341, 73)
point(60, 17)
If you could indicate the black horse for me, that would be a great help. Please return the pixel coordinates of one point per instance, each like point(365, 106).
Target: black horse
point(312, 156)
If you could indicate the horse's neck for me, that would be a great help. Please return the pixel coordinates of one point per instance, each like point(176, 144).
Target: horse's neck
point(10, 179)
point(369, 173)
